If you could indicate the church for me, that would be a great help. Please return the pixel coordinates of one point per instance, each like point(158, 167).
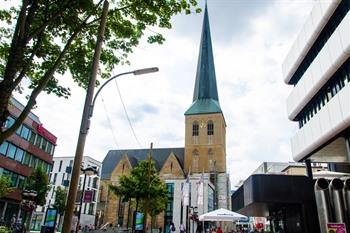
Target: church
point(203, 155)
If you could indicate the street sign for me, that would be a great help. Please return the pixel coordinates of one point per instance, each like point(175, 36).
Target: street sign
point(336, 228)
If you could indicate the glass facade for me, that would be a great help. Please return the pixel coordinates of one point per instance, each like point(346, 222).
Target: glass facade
point(210, 199)
point(168, 213)
point(322, 39)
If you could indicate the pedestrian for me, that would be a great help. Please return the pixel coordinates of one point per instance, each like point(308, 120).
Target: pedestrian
point(172, 228)
point(199, 228)
point(182, 228)
point(74, 223)
point(160, 230)
point(219, 230)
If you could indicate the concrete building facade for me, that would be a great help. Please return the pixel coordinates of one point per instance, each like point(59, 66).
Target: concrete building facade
point(60, 176)
point(318, 66)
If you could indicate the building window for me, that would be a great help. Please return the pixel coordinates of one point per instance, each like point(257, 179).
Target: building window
point(38, 141)
point(210, 128)
point(3, 148)
point(195, 129)
point(25, 132)
point(9, 122)
point(32, 138)
point(60, 167)
point(54, 178)
point(195, 160)
point(120, 212)
point(19, 155)
point(11, 151)
point(168, 213)
point(27, 158)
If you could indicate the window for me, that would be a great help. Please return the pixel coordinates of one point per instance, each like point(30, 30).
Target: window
point(195, 129)
point(3, 148)
point(19, 155)
point(54, 178)
point(63, 178)
point(32, 138)
point(21, 180)
point(10, 121)
point(38, 141)
point(33, 162)
point(18, 131)
point(25, 132)
point(43, 144)
point(59, 168)
point(11, 151)
point(48, 147)
point(210, 128)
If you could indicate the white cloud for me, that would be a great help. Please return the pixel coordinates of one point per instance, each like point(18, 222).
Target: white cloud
point(252, 93)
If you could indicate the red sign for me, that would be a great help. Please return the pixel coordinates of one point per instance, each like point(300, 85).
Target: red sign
point(46, 134)
point(336, 228)
point(88, 196)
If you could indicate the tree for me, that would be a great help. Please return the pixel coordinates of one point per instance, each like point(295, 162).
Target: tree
point(42, 40)
point(5, 186)
point(144, 185)
point(60, 202)
point(39, 182)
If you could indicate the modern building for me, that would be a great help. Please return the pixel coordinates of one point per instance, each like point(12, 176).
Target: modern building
point(31, 146)
point(204, 153)
point(60, 176)
point(278, 194)
point(318, 68)
point(287, 168)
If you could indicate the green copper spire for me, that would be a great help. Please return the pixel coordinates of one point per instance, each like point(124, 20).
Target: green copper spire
point(205, 96)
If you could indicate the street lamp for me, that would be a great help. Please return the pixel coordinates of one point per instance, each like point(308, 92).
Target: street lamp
point(27, 204)
point(84, 128)
point(88, 171)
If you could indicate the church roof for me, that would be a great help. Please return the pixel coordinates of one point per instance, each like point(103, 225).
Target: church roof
point(205, 96)
point(159, 155)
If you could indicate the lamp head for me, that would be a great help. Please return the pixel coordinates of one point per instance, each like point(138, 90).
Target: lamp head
point(146, 71)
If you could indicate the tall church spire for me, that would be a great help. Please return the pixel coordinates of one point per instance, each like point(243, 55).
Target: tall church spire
point(205, 96)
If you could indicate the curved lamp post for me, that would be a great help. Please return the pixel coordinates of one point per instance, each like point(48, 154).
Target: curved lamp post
point(84, 128)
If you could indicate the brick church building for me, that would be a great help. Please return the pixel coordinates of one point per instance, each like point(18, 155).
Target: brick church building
point(204, 152)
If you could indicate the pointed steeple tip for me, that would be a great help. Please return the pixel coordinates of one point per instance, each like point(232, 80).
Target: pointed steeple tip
point(205, 96)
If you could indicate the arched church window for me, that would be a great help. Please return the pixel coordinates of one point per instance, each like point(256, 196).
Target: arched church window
point(210, 128)
point(195, 128)
point(195, 160)
point(210, 131)
point(195, 132)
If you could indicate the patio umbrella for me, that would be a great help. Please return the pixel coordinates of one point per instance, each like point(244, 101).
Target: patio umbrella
point(222, 215)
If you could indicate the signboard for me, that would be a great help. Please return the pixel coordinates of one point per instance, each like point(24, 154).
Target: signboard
point(50, 218)
point(139, 221)
point(336, 228)
point(88, 196)
point(46, 134)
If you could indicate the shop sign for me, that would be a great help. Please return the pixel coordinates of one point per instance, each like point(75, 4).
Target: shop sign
point(46, 134)
point(336, 228)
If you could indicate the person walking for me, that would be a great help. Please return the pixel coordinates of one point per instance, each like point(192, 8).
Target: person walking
point(182, 228)
point(172, 228)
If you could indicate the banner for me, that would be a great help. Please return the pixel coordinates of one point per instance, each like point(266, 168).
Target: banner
point(200, 191)
point(186, 192)
point(88, 196)
point(139, 221)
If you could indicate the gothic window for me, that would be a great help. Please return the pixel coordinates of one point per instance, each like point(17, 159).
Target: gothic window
point(210, 128)
point(195, 132)
point(210, 131)
point(195, 160)
point(195, 129)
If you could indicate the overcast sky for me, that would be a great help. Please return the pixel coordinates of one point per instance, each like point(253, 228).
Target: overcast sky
point(250, 40)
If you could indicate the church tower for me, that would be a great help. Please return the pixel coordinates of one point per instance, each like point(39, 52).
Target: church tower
point(205, 133)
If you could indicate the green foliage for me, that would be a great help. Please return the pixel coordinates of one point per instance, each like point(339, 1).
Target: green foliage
point(144, 185)
point(5, 186)
point(39, 182)
point(60, 200)
point(4, 229)
point(127, 22)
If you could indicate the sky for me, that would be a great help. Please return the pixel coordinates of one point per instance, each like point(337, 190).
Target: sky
point(250, 41)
